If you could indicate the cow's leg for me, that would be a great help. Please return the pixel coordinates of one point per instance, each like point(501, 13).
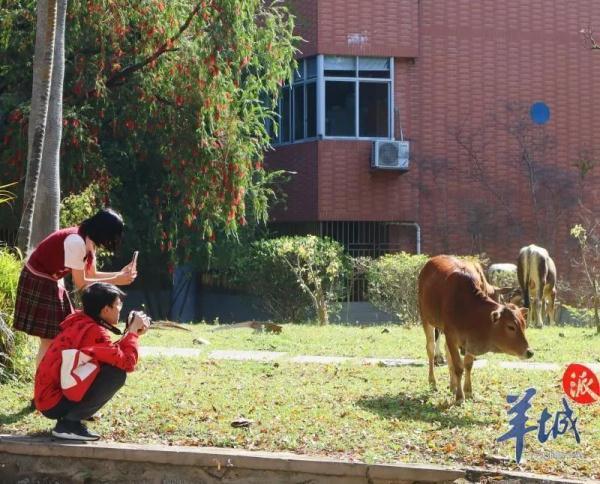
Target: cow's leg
point(451, 373)
point(468, 367)
point(542, 274)
point(439, 357)
point(536, 309)
point(549, 300)
point(531, 316)
point(455, 359)
point(430, 346)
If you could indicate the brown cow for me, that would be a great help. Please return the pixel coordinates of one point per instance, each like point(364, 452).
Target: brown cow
point(537, 277)
point(451, 299)
point(498, 294)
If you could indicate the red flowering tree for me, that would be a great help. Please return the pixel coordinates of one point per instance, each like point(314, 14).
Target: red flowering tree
point(164, 107)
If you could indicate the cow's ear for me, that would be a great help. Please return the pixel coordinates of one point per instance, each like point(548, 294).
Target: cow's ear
point(495, 315)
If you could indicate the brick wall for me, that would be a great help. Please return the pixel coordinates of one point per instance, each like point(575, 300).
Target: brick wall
point(473, 59)
point(301, 191)
point(373, 27)
point(350, 190)
point(306, 14)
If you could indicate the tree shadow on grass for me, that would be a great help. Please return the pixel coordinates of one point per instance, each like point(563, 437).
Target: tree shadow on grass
point(418, 406)
point(10, 418)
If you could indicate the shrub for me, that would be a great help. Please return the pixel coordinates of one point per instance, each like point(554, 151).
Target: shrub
point(77, 207)
point(12, 346)
point(295, 276)
point(588, 239)
point(393, 283)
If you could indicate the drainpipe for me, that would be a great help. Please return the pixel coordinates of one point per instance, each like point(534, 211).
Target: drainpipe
point(417, 228)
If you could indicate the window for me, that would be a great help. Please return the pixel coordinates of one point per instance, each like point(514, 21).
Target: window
point(340, 106)
point(297, 107)
point(358, 105)
point(337, 96)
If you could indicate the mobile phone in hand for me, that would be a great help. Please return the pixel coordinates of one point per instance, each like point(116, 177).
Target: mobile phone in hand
point(134, 259)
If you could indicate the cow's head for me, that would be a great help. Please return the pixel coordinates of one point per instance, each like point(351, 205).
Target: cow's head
point(508, 331)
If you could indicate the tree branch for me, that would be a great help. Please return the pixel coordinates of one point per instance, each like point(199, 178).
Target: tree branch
point(118, 78)
point(589, 36)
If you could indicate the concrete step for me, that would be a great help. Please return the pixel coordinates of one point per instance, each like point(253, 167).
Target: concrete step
point(35, 459)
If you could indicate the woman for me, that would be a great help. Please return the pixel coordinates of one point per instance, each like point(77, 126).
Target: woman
point(42, 302)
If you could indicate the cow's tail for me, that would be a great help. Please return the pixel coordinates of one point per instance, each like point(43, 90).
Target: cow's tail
point(542, 277)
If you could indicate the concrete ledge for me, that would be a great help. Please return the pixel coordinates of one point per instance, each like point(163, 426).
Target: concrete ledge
point(221, 458)
point(104, 461)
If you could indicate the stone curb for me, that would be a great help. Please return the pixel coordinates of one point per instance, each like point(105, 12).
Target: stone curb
point(218, 458)
point(222, 458)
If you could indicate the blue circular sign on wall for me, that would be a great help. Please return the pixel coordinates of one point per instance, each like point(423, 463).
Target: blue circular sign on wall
point(540, 113)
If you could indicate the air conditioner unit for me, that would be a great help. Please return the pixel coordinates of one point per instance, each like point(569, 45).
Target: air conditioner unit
point(390, 155)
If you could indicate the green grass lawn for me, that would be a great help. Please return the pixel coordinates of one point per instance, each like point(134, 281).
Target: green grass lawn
point(374, 414)
point(550, 344)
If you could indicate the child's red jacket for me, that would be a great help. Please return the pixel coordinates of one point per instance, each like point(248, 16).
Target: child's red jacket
point(80, 332)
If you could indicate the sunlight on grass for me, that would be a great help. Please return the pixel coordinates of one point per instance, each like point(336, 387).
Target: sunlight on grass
point(392, 341)
point(366, 413)
point(369, 413)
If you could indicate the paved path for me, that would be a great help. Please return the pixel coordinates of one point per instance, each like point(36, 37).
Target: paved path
point(238, 355)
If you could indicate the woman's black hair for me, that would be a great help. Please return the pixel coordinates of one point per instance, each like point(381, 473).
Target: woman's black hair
point(98, 295)
point(104, 229)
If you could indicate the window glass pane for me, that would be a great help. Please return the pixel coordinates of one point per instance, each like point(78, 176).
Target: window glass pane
point(299, 112)
point(374, 109)
point(340, 113)
point(311, 67)
point(340, 66)
point(374, 67)
point(311, 110)
point(284, 128)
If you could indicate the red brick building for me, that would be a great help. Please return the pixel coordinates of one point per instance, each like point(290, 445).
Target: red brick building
point(457, 79)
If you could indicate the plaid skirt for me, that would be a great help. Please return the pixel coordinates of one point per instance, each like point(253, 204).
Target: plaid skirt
point(41, 305)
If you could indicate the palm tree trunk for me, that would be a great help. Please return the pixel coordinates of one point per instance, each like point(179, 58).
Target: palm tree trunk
point(40, 99)
point(47, 200)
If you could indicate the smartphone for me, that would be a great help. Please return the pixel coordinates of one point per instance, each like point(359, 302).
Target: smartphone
point(134, 259)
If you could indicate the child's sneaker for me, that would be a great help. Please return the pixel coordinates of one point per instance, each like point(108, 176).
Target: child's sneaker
point(71, 430)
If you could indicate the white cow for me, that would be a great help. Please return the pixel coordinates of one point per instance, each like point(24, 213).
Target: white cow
point(537, 277)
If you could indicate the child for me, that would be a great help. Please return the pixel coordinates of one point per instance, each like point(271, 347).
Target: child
point(87, 331)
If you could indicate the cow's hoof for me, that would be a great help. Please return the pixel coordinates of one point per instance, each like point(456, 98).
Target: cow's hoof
point(468, 395)
point(439, 361)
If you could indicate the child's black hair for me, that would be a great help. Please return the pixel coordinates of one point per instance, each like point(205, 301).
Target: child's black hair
point(98, 295)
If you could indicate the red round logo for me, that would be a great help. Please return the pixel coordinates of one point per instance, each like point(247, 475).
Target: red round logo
point(581, 384)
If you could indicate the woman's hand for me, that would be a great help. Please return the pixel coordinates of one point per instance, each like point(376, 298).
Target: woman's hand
point(126, 276)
